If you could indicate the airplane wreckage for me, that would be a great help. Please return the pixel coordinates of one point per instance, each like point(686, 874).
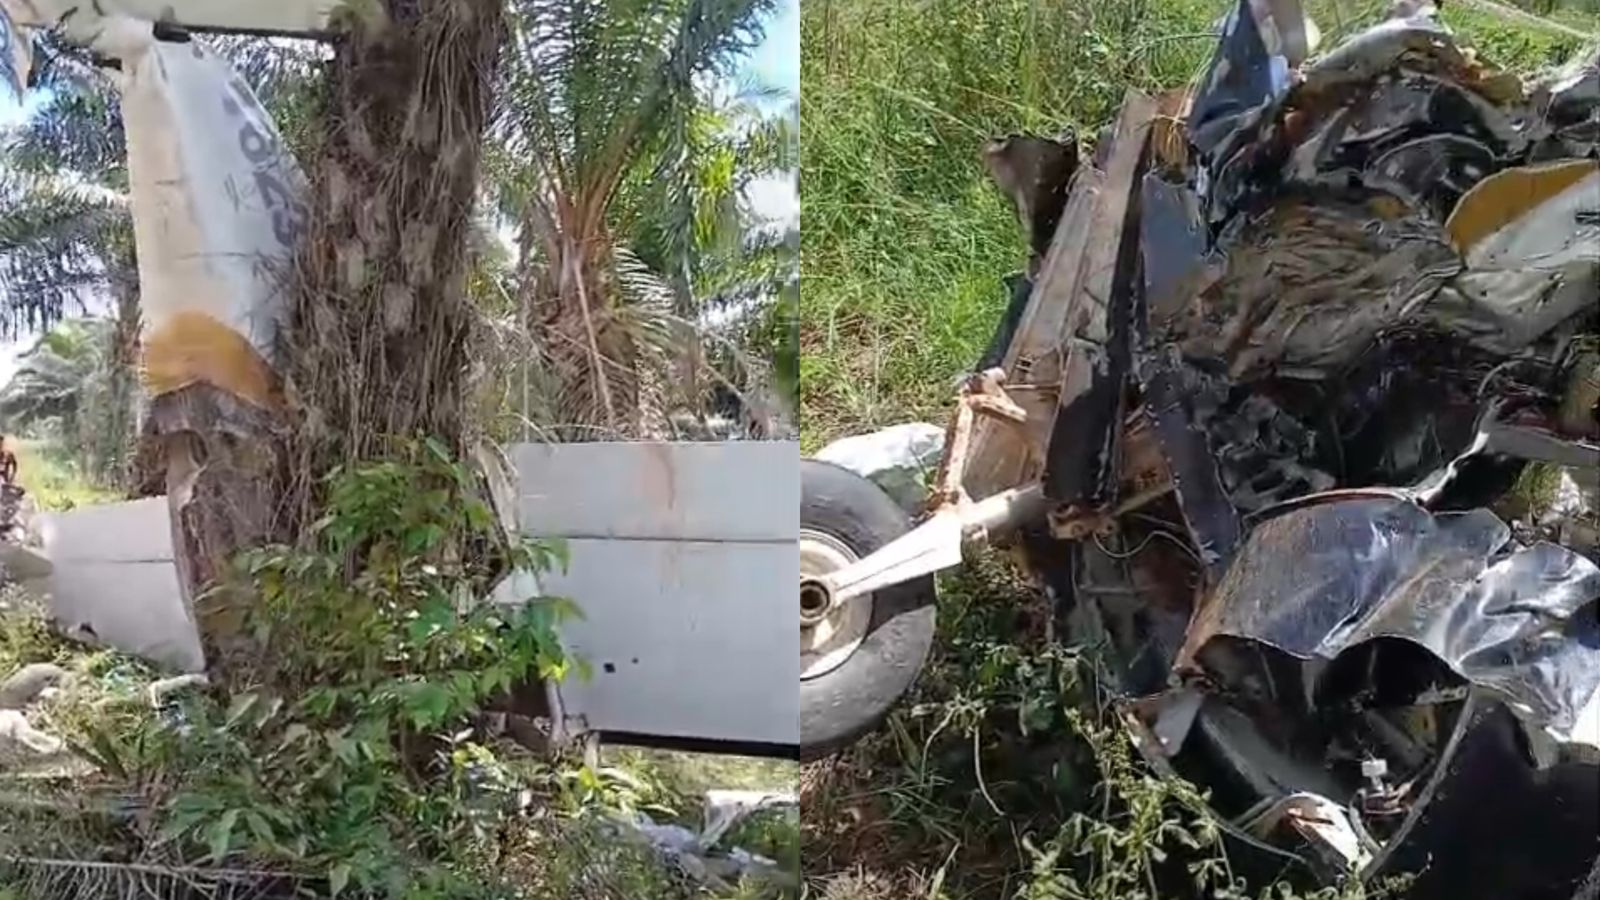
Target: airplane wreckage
point(1295, 412)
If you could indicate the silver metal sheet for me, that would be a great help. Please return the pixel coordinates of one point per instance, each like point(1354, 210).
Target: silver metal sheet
point(727, 491)
point(277, 16)
point(683, 561)
point(686, 639)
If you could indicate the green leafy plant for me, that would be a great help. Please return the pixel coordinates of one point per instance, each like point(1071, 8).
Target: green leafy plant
point(351, 748)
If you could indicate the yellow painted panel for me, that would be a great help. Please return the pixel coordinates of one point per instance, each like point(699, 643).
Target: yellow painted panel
point(1504, 197)
point(192, 348)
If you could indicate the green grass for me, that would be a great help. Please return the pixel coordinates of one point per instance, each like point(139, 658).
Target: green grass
point(904, 247)
point(53, 481)
point(695, 773)
point(905, 240)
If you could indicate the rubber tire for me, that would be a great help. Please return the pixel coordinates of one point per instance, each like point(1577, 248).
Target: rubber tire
point(837, 708)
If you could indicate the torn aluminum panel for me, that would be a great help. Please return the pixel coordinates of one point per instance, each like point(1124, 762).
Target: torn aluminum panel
point(1175, 246)
point(1262, 41)
point(83, 17)
point(16, 59)
point(218, 210)
point(1034, 172)
point(1521, 621)
point(1531, 243)
point(1310, 284)
point(1395, 82)
point(1381, 48)
point(1567, 109)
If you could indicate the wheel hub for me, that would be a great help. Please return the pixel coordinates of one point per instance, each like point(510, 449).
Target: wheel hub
point(829, 631)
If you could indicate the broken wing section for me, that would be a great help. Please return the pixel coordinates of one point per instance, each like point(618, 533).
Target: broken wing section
point(262, 16)
point(218, 209)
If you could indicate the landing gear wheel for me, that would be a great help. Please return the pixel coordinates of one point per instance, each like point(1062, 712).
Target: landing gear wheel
point(857, 657)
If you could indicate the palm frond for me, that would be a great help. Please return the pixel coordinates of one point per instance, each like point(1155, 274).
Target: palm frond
point(590, 83)
point(275, 68)
point(54, 247)
point(647, 307)
point(78, 126)
point(690, 216)
point(55, 375)
point(625, 184)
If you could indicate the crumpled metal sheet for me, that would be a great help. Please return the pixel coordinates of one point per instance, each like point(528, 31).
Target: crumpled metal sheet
point(1310, 283)
point(1261, 43)
point(1327, 202)
point(1537, 269)
point(1363, 294)
point(1432, 172)
point(1567, 110)
point(1174, 243)
point(1420, 137)
point(1379, 49)
point(1175, 406)
point(1034, 172)
point(1403, 79)
point(16, 56)
point(1521, 621)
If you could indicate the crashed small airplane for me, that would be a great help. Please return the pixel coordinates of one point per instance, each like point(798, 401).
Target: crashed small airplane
point(1294, 412)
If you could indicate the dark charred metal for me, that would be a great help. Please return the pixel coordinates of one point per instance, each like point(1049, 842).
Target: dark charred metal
point(1034, 172)
point(1348, 389)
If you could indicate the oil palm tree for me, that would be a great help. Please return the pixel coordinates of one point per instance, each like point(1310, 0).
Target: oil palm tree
point(724, 263)
point(396, 119)
point(66, 239)
point(383, 316)
point(69, 378)
point(616, 173)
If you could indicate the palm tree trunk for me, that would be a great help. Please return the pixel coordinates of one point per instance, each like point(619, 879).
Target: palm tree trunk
point(376, 344)
point(224, 467)
point(122, 430)
point(379, 340)
point(590, 357)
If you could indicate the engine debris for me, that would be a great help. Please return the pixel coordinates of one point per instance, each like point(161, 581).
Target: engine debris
point(1348, 357)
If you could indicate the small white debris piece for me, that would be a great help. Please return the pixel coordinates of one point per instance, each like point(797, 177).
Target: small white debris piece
point(899, 459)
point(1319, 820)
point(1177, 718)
point(1583, 742)
point(160, 689)
point(1569, 500)
point(695, 853)
point(29, 683)
point(672, 839)
point(725, 809)
point(17, 734)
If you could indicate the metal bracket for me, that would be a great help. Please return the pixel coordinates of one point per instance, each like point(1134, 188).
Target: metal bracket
point(983, 393)
point(955, 520)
